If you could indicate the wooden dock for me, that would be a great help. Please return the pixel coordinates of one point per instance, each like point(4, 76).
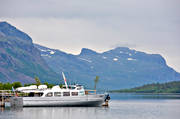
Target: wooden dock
point(5, 96)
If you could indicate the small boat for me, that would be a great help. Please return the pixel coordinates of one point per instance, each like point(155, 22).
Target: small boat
point(68, 95)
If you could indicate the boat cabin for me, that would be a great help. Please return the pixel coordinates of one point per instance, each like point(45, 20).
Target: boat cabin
point(56, 91)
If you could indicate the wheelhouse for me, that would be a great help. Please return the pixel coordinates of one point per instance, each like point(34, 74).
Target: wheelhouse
point(56, 91)
point(72, 90)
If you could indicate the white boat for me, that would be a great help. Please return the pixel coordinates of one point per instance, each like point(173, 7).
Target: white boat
point(72, 95)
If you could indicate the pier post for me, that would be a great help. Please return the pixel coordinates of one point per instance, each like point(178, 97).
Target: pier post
point(2, 100)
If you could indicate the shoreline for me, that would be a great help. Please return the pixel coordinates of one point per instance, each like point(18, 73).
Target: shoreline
point(147, 93)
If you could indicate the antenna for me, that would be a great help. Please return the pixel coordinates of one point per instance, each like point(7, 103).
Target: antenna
point(65, 80)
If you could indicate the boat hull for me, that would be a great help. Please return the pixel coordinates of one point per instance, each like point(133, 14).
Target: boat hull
point(87, 100)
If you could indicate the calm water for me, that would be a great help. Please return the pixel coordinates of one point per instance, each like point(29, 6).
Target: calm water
point(122, 106)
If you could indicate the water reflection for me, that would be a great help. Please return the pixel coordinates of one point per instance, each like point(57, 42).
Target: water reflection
point(121, 107)
point(53, 112)
point(63, 112)
point(134, 96)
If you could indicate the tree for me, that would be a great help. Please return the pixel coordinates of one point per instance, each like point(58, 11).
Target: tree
point(7, 86)
point(1, 86)
point(96, 80)
point(38, 82)
point(17, 84)
point(61, 85)
point(48, 85)
point(28, 84)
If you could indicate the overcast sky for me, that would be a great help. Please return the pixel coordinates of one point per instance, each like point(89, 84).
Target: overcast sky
point(152, 26)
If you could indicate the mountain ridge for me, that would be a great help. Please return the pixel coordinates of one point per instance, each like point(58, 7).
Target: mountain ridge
point(120, 66)
point(12, 31)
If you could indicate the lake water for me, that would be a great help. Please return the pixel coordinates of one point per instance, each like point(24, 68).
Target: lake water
point(122, 106)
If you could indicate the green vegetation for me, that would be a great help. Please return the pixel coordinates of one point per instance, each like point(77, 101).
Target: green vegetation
point(170, 87)
point(49, 85)
point(8, 86)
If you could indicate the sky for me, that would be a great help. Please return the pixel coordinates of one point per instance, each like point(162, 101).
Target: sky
point(151, 26)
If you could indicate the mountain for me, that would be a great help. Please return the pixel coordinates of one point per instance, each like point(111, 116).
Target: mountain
point(19, 59)
point(117, 68)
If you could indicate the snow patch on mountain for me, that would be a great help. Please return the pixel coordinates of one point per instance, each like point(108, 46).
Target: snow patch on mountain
point(92, 67)
point(52, 52)
point(47, 50)
point(45, 55)
point(130, 59)
point(42, 50)
point(115, 59)
point(104, 57)
point(85, 60)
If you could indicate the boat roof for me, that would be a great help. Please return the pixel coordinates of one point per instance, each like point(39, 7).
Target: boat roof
point(53, 89)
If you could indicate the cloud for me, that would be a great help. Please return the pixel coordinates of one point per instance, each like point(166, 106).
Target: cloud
point(88, 8)
point(152, 26)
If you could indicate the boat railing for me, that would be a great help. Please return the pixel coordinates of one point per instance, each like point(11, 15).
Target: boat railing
point(10, 93)
point(89, 92)
point(6, 93)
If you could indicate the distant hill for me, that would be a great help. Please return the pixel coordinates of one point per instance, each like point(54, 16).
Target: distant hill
point(19, 59)
point(170, 87)
point(117, 68)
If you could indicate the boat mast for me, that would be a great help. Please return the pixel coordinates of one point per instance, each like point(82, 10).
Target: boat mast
point(64, 80)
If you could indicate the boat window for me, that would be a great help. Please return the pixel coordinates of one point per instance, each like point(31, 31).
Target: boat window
point(71, 87)
point(79, 88)
point(31, 94)
point(50, 94)
point(66, 93)
point(74, 93)
point(57, 94)
point(38, 94)
point(64, 87)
